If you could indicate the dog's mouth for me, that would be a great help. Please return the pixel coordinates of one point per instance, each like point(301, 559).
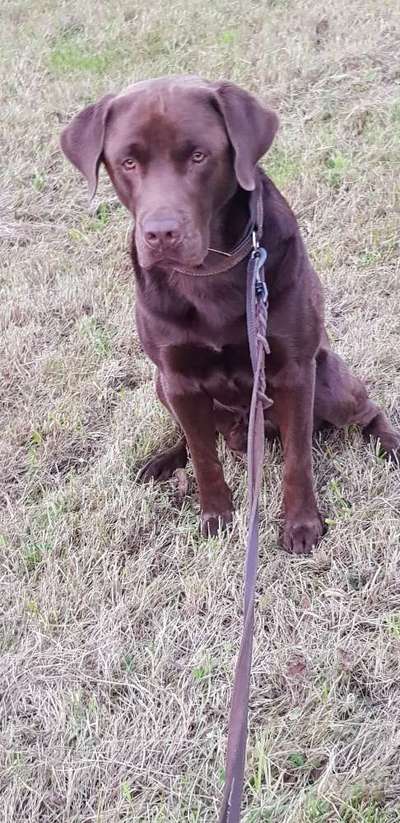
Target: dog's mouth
point(169, 262)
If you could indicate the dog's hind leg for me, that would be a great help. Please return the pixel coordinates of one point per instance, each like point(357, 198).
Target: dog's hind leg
point(341, 399)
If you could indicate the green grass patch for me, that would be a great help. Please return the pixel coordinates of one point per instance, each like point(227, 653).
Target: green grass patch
point(339, 504)
point(227, 37)
point(393, 626)
point(382, 246)
point(395, 113)
point(360, 810)
point(72, 54)
point(128, 663)
point(337, 168)
point(38, 181)
point(297, 760)
point(370, 257)
point(99, 220)
point(282, 167)
point(203, 671)
point(97, 335)
point(317, 810)
point(126, 792)
point(35, 552)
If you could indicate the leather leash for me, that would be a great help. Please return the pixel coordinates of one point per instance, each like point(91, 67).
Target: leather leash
point(257, 317)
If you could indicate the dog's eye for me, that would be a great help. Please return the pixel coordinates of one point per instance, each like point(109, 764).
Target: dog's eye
point(129, 163)
point(198, 156)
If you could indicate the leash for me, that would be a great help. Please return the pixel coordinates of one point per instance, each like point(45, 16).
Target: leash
point(257, 316)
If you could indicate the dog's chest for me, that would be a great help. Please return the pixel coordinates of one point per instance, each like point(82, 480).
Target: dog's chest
point(203, 361)
point(200, 336)
point(223, 372)
point(209, 349)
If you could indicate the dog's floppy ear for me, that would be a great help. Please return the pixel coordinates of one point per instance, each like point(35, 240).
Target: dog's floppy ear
point(251, 129)
point(82, 140)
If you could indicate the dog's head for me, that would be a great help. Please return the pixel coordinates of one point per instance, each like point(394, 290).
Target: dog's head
point(176, 149)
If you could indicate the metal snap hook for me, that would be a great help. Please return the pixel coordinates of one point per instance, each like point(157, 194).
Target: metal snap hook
point(260, 255)
point(261, 291)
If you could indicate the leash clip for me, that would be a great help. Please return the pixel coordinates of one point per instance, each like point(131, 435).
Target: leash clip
point(259, 255)
point(262, 291)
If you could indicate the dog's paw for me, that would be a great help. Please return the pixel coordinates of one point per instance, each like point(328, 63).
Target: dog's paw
point(385, 436)
point(390, 445)
point(211, 522)
point(302, 533)
point(162, 466)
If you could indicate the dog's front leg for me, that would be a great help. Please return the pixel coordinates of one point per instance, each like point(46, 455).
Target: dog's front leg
point(294, 408)
point(194, 411)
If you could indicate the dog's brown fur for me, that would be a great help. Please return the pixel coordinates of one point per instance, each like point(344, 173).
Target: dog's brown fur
point(182, 154)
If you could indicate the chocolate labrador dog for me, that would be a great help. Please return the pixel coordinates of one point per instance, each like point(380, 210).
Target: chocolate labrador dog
point(182, 154)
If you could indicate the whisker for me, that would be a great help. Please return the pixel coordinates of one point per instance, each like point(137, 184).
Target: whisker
point(221, 252)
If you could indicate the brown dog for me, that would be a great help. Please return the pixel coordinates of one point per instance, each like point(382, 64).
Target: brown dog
point(182, 154)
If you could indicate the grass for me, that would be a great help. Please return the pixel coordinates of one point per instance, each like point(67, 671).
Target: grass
point(119, 623)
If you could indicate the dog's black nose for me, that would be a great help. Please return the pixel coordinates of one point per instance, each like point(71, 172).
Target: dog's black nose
point(162, 233)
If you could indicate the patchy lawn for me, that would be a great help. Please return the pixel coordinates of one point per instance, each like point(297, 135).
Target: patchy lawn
point(119, 623)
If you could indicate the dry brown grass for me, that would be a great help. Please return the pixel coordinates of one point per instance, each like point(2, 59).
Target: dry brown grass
point(119, 624)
